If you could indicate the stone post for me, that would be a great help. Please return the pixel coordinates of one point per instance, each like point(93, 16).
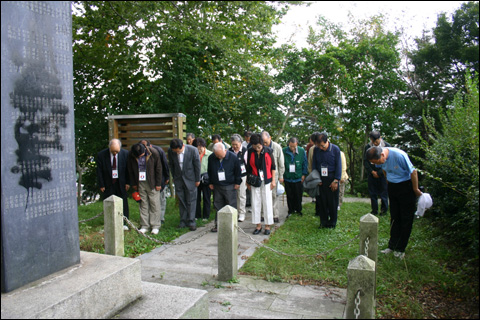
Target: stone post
point(227, 243)
point(361, 278)
point(113, 226)
point(369, 236)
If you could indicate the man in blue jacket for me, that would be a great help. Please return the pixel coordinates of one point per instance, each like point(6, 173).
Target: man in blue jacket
point(326, 159)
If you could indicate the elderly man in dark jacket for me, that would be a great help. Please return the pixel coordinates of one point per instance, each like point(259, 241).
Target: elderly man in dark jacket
point(145, 169)
point(112, 174)
point(377, 182)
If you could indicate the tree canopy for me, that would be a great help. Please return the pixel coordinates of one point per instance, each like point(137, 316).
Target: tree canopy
point(215, 61)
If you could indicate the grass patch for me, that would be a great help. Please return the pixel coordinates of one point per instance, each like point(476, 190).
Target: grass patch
point(431, 281)
point(91, 232)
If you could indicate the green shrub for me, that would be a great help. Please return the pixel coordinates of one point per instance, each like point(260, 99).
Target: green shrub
point(451, 169)
point(361, 187)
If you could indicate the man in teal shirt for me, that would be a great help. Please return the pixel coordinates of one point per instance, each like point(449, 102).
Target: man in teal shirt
point(402, 192)
point(296, 169)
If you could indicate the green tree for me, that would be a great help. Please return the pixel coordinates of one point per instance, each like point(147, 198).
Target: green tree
point(451, 165)
point(368, 88)
point(437, 68)
point(199, 58)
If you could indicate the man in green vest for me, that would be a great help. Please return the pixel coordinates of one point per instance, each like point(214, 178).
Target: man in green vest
point(296, 169)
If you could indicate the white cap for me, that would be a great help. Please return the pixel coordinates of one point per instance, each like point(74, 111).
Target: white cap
point(424, 202)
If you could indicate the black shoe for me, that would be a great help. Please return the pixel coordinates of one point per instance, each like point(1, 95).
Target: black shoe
point(374, 213)
point(257, 231)
point(214, 229)
point(267, 232)
point(193, 228)
point(288, 216)
point(383, 213)
point(275, 220)
point(300, 213)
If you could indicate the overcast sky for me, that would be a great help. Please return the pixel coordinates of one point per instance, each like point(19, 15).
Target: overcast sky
point(414, 16)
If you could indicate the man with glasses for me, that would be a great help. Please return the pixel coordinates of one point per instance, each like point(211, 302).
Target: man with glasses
point(327, 161)
point(403, 192)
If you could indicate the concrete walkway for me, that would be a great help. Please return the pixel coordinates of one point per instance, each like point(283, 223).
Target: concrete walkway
point(194, 265)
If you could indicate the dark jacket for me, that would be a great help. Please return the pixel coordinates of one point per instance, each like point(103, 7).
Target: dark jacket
point(230, 165)
point(154, 168)
point(104, 171)
point(266, 161)
point(241, 159)
point(165, 169)
point(310, 184)
point(190, 174)
point(369, 167)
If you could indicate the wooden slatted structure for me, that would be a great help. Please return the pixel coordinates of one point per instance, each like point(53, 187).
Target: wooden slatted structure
point(159, 129)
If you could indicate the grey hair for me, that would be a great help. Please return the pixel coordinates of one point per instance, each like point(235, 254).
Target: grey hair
point(374, 153)
point(266, 134)
point(293, 140)
point(219, 146)
point(115, 140)
point(236, 137)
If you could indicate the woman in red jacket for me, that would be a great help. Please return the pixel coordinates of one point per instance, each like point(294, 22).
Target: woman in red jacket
point(261, 166)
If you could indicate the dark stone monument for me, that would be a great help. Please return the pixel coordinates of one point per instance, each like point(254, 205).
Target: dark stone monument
point(39, 210)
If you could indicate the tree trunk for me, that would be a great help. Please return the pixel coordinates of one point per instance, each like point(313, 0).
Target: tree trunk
point(362, 172)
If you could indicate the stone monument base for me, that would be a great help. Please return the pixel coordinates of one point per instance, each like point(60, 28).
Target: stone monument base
point(99, 287)
point(160, 301)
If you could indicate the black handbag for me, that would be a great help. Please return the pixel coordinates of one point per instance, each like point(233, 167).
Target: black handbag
point(204, 178)
point(253, 180)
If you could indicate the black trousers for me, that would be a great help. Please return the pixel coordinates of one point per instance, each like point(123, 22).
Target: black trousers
point(377, 187)
point(327, 203)
point(294, 191)
point(223, 196)
point(116, 190)
point(402, 213)
point(207, 193)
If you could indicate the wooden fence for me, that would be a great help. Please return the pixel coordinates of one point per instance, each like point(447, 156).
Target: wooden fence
point(159, 129)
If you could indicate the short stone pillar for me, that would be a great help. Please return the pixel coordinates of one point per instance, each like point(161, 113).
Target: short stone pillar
point(361, 289)
point(369, 236)
point(227, 243)
point(113, 226)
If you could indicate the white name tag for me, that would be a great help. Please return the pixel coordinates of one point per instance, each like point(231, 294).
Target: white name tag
point(242, 167)
point(292, 168)
point(260, 173)
point(142, 176)
point(324, 171)
point(221, 176)
point(115, 174)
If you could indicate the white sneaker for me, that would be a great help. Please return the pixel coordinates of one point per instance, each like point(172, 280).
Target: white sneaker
point(399, 254)
point(386, 251)
point(155, 231)
point(338, 209)
point(143, 230)
point(241, 217)
point(125, 228)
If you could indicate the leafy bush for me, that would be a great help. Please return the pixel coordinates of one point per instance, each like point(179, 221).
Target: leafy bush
point(451, 169)
point(361, 187)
